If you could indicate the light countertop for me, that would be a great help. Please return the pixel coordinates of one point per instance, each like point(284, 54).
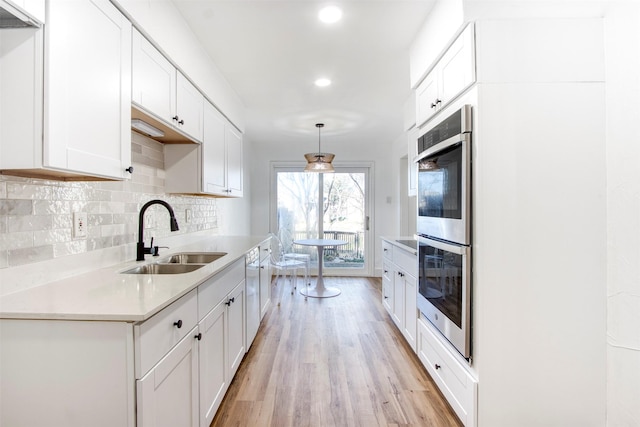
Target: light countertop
point(401, 241)
point(106, 294)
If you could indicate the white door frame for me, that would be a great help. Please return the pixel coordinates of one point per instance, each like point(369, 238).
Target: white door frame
point(298, 166)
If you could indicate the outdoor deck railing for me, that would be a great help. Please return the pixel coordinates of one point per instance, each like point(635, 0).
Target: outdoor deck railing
point(354, 249)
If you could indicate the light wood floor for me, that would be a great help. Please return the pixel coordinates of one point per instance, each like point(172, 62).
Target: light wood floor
point(332, 362)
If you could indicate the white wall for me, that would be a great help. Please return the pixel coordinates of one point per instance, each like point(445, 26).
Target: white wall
point(622, 38)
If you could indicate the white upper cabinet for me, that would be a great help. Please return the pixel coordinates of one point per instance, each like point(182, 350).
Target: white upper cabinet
point(161, 91)
point(189, 107)
point(233, 145)
point(87, 88)
point(67, 91)
point(153, 79)
point(30, 8)
point(212, 168)
point(451, 75)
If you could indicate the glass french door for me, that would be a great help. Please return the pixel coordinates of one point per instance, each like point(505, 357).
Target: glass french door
point(329, 206)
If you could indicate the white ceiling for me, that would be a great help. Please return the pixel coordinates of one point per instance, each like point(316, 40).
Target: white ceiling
point(271, 52)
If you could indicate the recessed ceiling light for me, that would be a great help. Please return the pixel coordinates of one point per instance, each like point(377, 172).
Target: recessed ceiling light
point(322, 82)
point(330, 14)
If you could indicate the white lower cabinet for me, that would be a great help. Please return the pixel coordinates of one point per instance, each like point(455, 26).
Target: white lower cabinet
point(214, 378)
point(252, 297)
point(387, 288)
point(265, 278)
point(186, 387)
point(409, 323)
point(222, 343)
point(458, 386)
point(172, 369)
point(236, 327)
point(399, 288)
point(168, 394)
point(66, 373)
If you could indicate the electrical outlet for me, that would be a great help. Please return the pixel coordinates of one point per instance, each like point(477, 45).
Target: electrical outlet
point(80, 225)
point(187, 216)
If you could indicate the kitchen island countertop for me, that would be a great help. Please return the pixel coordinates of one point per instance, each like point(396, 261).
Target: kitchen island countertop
point(108, 295)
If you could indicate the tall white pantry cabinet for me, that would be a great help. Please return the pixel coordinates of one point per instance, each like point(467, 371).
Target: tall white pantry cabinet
point(539, 245)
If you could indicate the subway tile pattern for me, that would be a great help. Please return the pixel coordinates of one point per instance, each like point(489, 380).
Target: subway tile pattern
point(36, 215)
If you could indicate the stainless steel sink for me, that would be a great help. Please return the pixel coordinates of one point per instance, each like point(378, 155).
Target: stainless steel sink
point(193, 257)
point(164, 269)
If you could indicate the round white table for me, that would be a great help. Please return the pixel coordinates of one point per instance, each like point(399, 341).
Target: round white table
point(320, 291)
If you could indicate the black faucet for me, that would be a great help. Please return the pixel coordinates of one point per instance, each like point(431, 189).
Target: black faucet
point(141, 250)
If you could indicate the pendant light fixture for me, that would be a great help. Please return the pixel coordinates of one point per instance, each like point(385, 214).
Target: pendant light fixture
point(319, 162)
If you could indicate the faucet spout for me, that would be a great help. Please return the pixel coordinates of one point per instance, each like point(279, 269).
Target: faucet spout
point(140, 249)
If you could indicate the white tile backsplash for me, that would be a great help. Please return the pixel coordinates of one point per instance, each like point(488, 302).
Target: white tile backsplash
point(36, 218)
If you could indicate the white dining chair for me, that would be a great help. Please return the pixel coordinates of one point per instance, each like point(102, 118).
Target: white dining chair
point(286, 239)
point(284, 267)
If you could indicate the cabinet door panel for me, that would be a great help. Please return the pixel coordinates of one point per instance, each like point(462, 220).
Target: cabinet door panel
point(456, 67)
point(387, 288)
point(398, 300)
point(234, 161)
point(154, 79)
point(168, 394)
point(265, 284)
point(189, 106)
point(213, 148)
point(236, 339)
point(212, 359)
point(87, 88)
point(426, 97)
point(21, 78)
point(252, 301)
point(410, 311)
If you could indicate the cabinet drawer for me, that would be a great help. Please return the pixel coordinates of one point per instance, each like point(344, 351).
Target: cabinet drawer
point(156, 336)
point(387, 251)
point(406, 261)
point(211, 292)
point(265, 250)
point(454, 381)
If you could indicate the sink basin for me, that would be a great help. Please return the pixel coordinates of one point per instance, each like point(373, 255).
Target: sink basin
point(194, 257)
point(164, 269)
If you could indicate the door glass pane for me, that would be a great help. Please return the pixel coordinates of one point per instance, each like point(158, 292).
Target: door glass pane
point(341, 215)
point(344, 219)
point(298, 210)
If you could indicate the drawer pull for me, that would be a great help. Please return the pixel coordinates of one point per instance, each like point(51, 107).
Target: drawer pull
point(438, 366)
point(178, 324)
point(199, 336)
point(231, 301)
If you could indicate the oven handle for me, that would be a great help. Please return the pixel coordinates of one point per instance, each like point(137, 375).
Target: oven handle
point(449, 247)
point(455, 139)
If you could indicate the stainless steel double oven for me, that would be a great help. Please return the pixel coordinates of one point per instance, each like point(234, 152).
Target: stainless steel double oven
point(444, 227)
